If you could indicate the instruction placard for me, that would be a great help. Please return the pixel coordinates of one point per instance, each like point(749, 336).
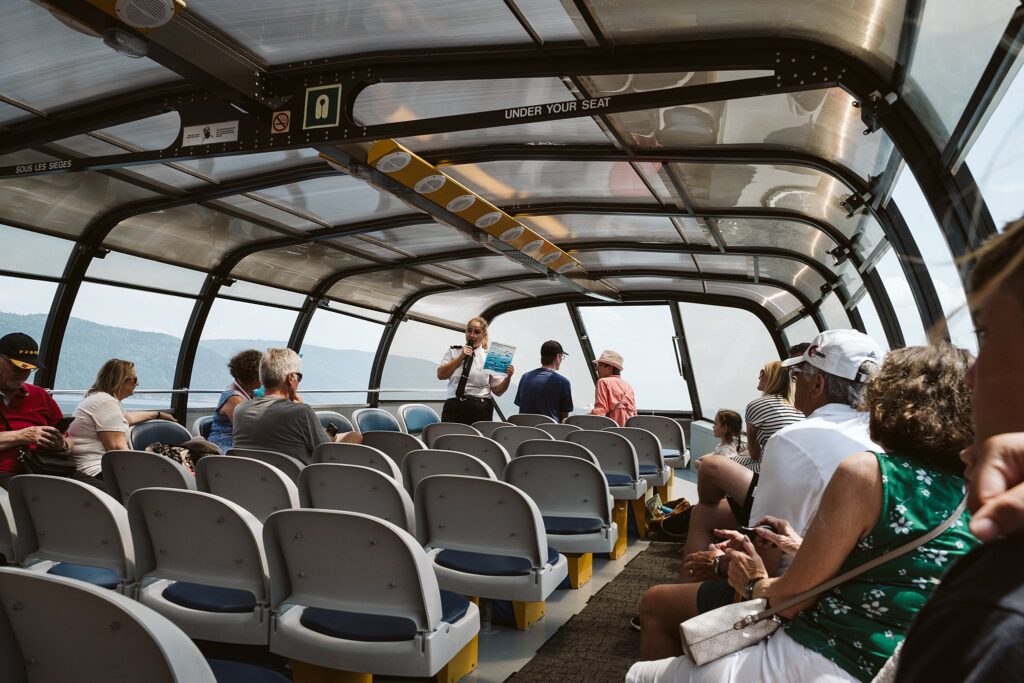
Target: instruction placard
point(499, 357)
point(323, 107)
point(210, 134)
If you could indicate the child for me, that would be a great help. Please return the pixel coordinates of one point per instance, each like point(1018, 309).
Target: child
point(728, 427)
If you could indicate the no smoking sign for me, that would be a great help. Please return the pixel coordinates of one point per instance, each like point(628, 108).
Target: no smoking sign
point(281, 122)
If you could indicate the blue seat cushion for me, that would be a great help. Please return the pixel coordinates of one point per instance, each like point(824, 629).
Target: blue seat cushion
point(97, 576)
point(618, 479)
point(204, 598)
point(228, 671)
point(649, 469)
point(670, 452)
point(377, 628)
point(572, 525)
point(487, 564)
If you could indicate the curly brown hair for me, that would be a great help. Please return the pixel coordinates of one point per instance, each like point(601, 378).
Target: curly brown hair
point(245, 366)
point(920, 406)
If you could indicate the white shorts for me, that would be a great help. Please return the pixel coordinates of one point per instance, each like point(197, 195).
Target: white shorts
point(780, 659)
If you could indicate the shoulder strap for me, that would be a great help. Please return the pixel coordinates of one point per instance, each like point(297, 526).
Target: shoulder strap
point(856, 571)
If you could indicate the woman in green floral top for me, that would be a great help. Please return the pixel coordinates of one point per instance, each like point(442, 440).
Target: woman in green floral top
point(875, 502)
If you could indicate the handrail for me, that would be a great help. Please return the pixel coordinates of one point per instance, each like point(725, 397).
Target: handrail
point(54, 392)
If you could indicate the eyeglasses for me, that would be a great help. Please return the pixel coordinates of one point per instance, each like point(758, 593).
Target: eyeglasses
point(298, 376)
point(133, 380)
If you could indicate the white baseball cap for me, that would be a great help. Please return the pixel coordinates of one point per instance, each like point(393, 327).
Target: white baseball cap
point(840, 353)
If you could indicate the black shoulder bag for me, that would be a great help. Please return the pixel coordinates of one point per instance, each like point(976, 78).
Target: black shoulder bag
point(39, 461)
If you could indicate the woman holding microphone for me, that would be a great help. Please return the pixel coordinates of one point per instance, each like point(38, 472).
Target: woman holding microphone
point(470, 387)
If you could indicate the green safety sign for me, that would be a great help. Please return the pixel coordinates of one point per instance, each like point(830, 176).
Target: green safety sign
point(323, 107)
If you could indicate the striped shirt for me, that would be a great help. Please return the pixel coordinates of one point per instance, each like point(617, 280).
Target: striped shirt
point(769, 414)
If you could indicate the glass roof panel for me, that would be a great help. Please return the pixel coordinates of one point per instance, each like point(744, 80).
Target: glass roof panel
point(326, 28)
point(722, 186)
point(655, 283)
point(549, 20)
point(9, 114)
point(241, 165)
point(487, 266)
point(778, 302)
point(298, 267)
point(867, 29)
point(954, 45)
point(357, 310)
point(422, 239)
point(49, 66)
point(803, 330)
point(260, 208)
point(794, 273)
point(64, 203)
point(757, 232)
point(383, 290)
point(618, 228)
point(504, 182)
point(192, 235)
point(610, 259)
point(17, 243)
point(118, 267)
point(834, 313)
point(391, 102)
point(334, 200)
point(263, 295)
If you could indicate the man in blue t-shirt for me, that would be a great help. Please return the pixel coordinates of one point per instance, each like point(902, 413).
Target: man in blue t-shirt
point(543, 391)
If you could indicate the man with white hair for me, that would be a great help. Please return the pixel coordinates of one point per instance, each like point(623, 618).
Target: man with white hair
point(279, 420)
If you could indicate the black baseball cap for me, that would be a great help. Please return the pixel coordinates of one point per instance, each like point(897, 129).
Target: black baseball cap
point(21, 350)
point(552, 348)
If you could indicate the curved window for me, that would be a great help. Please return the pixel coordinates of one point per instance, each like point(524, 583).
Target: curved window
point(32, 252)
point(872, 323)
point(412, 362)
point(895, 283)
point(337, 353)
point(802, 331)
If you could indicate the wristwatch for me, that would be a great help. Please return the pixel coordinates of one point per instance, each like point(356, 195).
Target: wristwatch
point(750, 586)
point(716, 563)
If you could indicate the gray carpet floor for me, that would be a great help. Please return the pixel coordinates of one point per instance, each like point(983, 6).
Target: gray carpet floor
point(598, 644)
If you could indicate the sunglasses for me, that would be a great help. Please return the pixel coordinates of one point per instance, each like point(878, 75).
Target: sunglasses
point(133, 380)
point(298, 376)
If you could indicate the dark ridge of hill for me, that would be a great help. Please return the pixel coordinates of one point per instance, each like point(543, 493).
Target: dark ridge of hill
point(88, 345)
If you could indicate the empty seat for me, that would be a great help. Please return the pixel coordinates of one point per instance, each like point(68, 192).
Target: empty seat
point(487, 539)
point(510, 437)
point(378, 610)
point(352, 488)
point(126, 471)
point(286, 463)
point(375, 420)
point(201, 564)
point(8, 531)
point(559, 431)
point(593, 422)
point(357, 454)
point(419, 465)
point(393, 444)
point(488, 450)
point(617, 460)
point(414, 417)
point(530, 420)
point(256, 486)
point(74, 530)
point(168, 433)
point(649, 460)
point(340, 422)
point(669, 433)
point(487, 427)
point(551, 447)
point(63, 630)
point(202, 425)
point(438, 429)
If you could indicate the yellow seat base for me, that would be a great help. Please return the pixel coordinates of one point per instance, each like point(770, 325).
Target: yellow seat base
point(640, 514)
point(664, 491)
point(581, 568)
point(462, 664)
point(620, 515)
point(304, 672)
point(527, 613)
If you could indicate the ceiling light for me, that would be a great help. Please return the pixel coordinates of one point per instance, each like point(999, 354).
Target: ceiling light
point(532, 246)
point(125, 43)
point(511, 234)
point(393, 161)
point(430, 183)
point(460, 203)
point(565, 267)
point(549, 257)
point(487, 220)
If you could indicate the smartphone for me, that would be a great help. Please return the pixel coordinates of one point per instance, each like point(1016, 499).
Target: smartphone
point(331, 429)
point(63, 424)
point(749, 531)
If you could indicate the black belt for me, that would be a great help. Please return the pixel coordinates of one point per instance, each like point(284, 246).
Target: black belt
point(470, 398)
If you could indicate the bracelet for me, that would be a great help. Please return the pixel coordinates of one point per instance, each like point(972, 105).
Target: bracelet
point(750, 586)
point(716, 563)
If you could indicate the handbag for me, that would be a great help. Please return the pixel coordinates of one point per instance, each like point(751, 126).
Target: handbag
point(39, 461)
point(712, 635)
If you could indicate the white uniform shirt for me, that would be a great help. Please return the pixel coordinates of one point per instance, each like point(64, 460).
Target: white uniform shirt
point(799, 461)
point(480, 380)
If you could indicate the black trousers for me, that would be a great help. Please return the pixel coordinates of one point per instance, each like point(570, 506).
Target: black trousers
point(467, 410)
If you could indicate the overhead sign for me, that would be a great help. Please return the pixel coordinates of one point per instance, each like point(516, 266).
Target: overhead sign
point(281, 122)
point(210, 134)
point(323, 107)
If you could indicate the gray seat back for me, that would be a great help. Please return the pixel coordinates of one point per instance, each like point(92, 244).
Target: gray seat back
point(479, 515)
point(198, 537)
point(669, 432)
point(54, 630)
point(390, 574)
point(427, 462)
point(559, 431)
point(414, 417)
point(615, 454)
point(254, 485)
point(352, 488)
point(64, 520)
point(562, 485)
point(488, 450)
point(8, 530)
point(375, 420)
point(126, 471)
point(567, 448)
point(393, 444)
point(511, 437)
point(645, 444)
point(357, 454)
point(201, 426)
point(328, 417)
point(438, 429)
point(487, 427)
point(530, 420)
point(592, 422)
point(286, 463)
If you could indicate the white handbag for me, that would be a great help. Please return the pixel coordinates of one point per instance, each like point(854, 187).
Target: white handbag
point(712, 635)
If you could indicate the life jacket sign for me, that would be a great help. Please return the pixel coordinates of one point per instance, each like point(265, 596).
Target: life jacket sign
point(323, 107)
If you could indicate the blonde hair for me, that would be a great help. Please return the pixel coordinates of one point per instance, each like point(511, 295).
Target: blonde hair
point(111, 376)
point(486, 342)
point(776, 381)
point(276, 365)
